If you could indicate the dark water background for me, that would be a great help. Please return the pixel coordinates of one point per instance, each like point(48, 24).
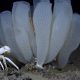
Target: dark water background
point(7, 4)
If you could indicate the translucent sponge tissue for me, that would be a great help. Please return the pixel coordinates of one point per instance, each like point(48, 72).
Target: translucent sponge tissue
point(55, 33)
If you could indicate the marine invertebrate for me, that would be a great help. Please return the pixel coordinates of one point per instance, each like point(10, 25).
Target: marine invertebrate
point(24, 34)
point(55, 34)
point(62, 18)
point(8, 33)
point(42, 23)
point(72, 41)
point(5, 49)
point(48, 30)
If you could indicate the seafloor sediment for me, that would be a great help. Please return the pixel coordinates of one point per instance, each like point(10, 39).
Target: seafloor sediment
point(28, 72)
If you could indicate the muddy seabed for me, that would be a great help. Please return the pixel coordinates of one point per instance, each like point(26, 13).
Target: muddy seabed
point(28, 72)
